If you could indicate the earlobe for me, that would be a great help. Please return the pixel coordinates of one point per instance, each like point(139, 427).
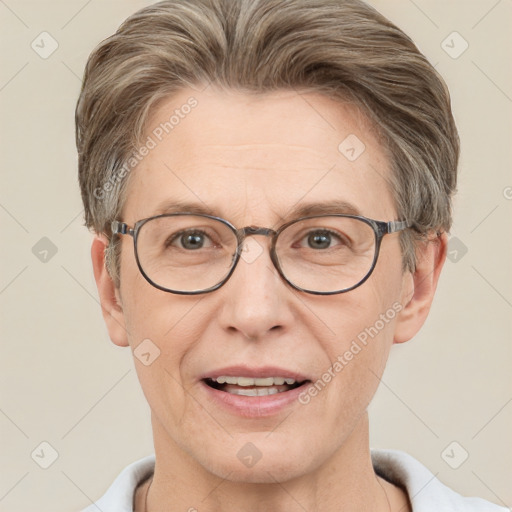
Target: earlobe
point(419, 287)
point(110, 300)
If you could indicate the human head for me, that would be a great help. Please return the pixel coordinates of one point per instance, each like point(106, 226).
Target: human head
point(285, 79)
point(343, 49)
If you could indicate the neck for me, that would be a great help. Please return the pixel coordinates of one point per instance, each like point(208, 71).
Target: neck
point(346, 481)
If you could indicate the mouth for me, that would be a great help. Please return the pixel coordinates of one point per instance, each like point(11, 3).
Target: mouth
point(253, 386)
point(254, 392)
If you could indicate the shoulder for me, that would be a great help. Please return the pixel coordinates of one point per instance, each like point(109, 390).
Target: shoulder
point(426, 492)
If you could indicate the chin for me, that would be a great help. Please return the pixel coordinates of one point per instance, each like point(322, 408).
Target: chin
point(263, 473)
point(260, 462)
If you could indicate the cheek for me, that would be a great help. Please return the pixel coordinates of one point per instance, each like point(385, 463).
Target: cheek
point(361, 327)
point(359, 359)
point(171, 336)
point(150, 313)
point(363, 336)
point(169, 323)
point(163, 330)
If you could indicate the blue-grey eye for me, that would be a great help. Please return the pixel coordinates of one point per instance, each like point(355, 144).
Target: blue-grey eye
point(321, 239)
point(192, 241)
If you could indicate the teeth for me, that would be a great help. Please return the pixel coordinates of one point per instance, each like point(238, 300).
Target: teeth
point(254, 391)
point(249, 381)
point(269, 381)
point(243, 381)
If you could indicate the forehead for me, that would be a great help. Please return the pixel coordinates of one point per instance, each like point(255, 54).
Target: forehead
point(235, 153)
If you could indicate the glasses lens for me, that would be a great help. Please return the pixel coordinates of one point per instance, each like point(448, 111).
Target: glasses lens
point(326, 254)
point(186, 253)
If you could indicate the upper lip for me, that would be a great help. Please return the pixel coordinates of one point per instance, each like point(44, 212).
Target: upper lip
point(255, 372)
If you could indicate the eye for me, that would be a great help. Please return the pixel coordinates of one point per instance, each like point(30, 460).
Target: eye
point(322, 239)
point(189, 240)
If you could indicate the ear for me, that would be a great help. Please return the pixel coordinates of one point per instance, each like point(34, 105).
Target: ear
point(419, 287)
point(110, 297)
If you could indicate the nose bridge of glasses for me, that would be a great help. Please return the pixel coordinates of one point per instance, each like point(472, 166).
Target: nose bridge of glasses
point(256, 230)
point(243, 233)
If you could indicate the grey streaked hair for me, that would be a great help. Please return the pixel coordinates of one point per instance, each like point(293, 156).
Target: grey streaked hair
point(344, 49)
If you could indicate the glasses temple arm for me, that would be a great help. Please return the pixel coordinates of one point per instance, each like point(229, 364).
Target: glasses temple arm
point(120, 228)
point(398, 225)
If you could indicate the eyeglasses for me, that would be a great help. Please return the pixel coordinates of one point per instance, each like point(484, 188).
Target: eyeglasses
point(188, 254)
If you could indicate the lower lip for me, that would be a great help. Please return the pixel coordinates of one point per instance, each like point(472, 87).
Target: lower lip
point(254, 406)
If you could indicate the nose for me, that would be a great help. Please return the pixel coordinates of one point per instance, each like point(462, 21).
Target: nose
point(255, 299)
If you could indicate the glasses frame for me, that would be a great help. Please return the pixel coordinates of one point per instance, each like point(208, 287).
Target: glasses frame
point(380, 229)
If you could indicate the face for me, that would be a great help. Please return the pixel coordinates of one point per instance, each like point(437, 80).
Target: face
point(251, 160)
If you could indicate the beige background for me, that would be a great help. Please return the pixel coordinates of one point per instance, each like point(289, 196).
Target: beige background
point(64, 382)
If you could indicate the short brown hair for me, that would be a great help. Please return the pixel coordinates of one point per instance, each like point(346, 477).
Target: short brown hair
point(344, 49)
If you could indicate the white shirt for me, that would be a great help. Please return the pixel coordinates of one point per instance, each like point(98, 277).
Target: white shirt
point(426, 493)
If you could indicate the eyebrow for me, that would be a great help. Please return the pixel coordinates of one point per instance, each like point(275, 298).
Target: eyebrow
point(301, 209)
point(326, 208)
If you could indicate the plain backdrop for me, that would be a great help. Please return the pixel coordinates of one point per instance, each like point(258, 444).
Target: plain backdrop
point(445, 396)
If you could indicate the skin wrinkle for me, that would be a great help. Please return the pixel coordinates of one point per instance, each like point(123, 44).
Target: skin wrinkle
point(320, 453)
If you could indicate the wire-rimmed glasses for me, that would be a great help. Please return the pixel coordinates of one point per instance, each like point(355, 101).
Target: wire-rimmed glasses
point(189, 253)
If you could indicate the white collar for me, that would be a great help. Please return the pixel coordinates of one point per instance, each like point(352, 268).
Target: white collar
point(426, 492)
